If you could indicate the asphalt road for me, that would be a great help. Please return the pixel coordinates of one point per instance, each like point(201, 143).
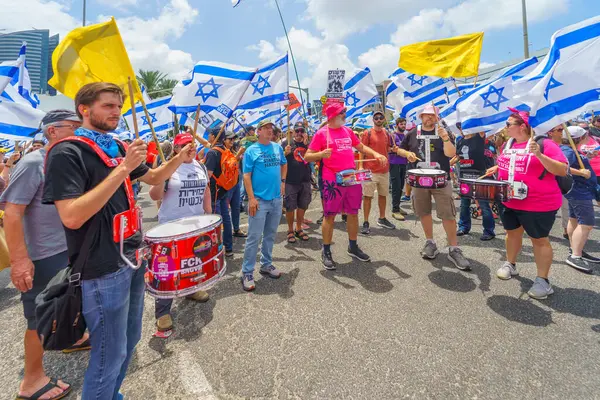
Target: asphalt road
point(397, 327)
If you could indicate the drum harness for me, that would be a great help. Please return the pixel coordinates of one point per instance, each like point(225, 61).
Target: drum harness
point(427, 139)
point(519, 189)
point(126, 223)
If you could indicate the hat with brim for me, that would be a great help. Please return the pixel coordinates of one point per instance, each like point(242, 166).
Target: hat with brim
point(182, 139)
point(333, 108)
point(264, 123)
point(430, 109)
point(575, 131)
point(378, 112)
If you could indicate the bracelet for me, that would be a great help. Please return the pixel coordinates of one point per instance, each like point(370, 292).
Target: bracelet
point(445, 141)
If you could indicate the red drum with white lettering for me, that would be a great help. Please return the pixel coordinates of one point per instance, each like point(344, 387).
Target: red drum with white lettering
point(187, 256)
point(484, 189)
point(426, 178)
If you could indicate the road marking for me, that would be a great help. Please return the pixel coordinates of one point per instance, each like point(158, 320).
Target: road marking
point(193, 378)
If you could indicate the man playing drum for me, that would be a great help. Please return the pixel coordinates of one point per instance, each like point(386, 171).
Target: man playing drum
point(333, 145)
point(436, 155)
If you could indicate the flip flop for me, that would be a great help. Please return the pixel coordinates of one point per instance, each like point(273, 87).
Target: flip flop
point(49, 386)
point(86, 345)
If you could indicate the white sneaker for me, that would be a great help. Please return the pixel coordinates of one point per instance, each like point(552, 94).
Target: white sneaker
point(506, 271)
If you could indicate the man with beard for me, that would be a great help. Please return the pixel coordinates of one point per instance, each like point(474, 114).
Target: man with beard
point(88, 177)
point(377, 139)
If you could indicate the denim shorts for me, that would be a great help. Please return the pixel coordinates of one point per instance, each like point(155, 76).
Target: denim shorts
point(582, 211)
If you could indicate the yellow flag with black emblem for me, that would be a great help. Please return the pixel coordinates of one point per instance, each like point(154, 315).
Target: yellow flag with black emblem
point(94, 53)
point(456, 57)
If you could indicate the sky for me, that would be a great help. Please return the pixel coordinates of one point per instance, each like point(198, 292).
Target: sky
point(173, 35)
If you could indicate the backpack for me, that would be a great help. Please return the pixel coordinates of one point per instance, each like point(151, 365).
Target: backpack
point(565, 183)
point(230, 170)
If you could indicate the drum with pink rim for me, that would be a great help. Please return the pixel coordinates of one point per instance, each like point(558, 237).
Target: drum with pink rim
point(426, 178)
point(187, 256)
point(483, 189)
point(351, 177)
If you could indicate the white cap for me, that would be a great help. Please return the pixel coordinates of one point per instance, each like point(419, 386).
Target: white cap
point(575, 131)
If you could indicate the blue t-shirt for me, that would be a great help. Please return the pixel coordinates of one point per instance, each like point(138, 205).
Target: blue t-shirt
point(583, 189)
point(264, 162)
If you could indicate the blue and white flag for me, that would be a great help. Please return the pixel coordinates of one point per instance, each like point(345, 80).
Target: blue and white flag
point(295, 116)
point(314, 123)
point(269, 87)
point(485, 108)
point(410, 93)
point(567, 82)
point(364, 121)
point(217, 87)
point(8, 70)
point(161, 117)
point(359, 92)
point(263, 115)
point(235, 3)
point(145, 95)
point(18, 121)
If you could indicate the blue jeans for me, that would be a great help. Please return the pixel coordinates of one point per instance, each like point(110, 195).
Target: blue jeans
point(464, 223)
point(221, 207)
point(264, 224)
point(235, 201)
point(112, 307)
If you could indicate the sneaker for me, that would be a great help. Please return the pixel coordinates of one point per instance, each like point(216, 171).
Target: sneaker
point(384, 223)
point(327, 260)
point(404, 198)
point(396, 210)
point(403, 212)
point(270, 271)
point(365, 230)
point(200, 296)
point(229, 253)
point(456, 256)
point(248, 282)
point(587, 257)
point(487, 237)
point(461, 232)
point(399, 216)
point(358, 254)
point(320, 220)
point(579, 264)
point(506, 271)
point(164, 323)
point(540, 289)
point(429, 251)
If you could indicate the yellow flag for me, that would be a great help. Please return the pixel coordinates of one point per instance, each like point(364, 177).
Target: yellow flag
point(456, 57)
point(94, 53)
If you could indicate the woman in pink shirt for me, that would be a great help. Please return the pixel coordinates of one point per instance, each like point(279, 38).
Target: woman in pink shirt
point(522, 158)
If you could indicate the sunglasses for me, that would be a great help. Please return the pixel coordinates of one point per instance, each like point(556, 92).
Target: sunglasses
point(378, 118)
point(300, 130)
point(508, 124)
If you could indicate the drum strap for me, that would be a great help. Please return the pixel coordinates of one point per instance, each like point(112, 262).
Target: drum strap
point(427, 140)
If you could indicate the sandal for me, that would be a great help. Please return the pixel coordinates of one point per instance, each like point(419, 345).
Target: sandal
point(240, 233)
point(291, 238)
point(302, 235)
point(86, 345)
point(49, 386)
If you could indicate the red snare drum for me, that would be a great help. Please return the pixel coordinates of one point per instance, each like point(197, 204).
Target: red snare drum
point(187, 256)
point(484, 189)
point(426, 178)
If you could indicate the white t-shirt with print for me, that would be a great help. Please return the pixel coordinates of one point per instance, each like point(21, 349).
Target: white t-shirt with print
point(184, 195)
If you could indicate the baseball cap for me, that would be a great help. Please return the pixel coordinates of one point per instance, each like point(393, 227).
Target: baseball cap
point(264, 122)
point(182, 139)
point(59, 115)
point(299, 125)
point(378, 112)
point(575, 131)
point(230, 135)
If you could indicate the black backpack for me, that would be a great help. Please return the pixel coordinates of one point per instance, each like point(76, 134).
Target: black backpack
point(565, 183)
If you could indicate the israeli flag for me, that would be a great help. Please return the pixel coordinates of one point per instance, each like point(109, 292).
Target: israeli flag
point(8, 146)
point(359, 92)
point(364, 121)
point(485, 108)
point(217, 87)
point(263, 115)
point(8, 70)
point(18, 121)
point(235, 3)
point(409, 93)
point(161, 117)
point(567, 82)
point(314, 123)
point(269, 87)
point(145, 94)
point(295, 116)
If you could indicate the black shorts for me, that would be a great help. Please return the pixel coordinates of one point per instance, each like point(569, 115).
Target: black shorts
point(536, 224)
point(297, 196)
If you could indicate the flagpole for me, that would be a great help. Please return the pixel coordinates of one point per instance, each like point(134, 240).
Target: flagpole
point(154, 137)
point(581, 166)
point(289, 132)
point(133, 113)
point(292, 54)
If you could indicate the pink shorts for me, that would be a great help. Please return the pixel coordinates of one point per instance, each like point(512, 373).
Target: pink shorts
point(338, 199)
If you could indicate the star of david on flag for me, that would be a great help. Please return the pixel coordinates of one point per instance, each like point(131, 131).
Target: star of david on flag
point(416, 80)
point(261, 85)
point(492, 91)
point(213, 91)
point(161, 117)
point(359, 92)
point(269, 86)
point(152, 118)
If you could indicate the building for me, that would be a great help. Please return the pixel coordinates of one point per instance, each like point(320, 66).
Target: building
point(40, 46)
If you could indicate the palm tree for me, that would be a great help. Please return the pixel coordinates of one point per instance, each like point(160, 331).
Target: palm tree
point(157, 84)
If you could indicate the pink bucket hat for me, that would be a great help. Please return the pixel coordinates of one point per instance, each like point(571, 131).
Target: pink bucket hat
point(430, 109)
point(333, 108)
point(523, 114)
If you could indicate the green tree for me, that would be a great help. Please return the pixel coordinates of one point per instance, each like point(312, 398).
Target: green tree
point(157, 84)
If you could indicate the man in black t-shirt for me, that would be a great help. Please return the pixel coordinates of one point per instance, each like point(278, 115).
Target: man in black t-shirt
point(298, 188)
point(437, 156)
point(472, 163)
point(88, 195)
point(220, 196)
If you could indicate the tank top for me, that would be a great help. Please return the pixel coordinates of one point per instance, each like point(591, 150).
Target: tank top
point(184, 193)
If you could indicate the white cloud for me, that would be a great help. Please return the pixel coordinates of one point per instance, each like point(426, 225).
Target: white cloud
point(266, 50)
point(30, 14)
point(118, 4)
point(484, 65)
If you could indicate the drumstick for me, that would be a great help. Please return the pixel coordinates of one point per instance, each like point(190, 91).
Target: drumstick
point(372, 159)
point(483, 176)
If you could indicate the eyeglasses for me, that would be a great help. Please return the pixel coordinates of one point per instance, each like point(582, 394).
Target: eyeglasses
point(508, 124)
point(559, 129)
point(299, 130)
point(66, 126)
point(378, 118)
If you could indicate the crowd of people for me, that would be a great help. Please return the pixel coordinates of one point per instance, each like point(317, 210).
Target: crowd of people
point(78, 187)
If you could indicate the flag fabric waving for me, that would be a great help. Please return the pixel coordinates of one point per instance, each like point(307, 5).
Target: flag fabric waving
point(94, 53)
point(161, 117)
point(217, 87)
point(269, 87)
point(19, 89)
point(8, 70)
point(294, 102)
point(19, 121)
point(359, 92)
point(456, 57)
point(566, 83)
point(364, 121)
point(235, 3)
